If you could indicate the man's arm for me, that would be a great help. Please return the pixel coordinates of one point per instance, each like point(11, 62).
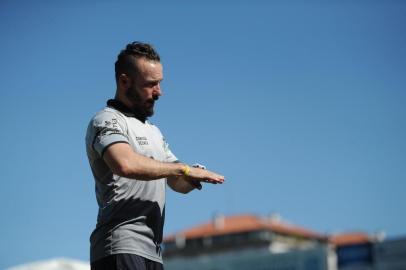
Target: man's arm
point(123, 161)
point(186, 183)
point(181, 184)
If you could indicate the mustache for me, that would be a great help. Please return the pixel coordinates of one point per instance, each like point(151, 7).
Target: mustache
point(153, 99)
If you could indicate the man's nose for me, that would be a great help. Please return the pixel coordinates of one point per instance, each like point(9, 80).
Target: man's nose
point(157, 89)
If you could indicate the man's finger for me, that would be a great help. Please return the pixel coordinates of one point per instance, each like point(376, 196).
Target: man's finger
point(215, 181)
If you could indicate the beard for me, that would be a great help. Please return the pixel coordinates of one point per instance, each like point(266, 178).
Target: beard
point(141, 108)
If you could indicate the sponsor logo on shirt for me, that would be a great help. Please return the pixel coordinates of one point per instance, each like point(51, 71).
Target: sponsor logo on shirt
point(142, 140)
point(113, 123)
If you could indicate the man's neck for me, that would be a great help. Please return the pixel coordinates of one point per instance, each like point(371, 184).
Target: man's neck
point(125, 109)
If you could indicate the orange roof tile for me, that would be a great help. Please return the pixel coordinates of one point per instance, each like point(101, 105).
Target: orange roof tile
point(243, 223)
point(294, 230)
point(350, 239)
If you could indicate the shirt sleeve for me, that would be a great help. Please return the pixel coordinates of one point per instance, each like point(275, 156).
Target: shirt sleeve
point(107, 129)
point(169, 156)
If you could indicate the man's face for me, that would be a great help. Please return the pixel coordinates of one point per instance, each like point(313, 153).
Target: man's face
point(145, 88)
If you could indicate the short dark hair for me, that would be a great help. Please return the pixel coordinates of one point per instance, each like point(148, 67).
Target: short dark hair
point(135, 50)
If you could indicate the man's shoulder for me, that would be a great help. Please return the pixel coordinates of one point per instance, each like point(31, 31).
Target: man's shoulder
point(106, 118)
point(108, 113)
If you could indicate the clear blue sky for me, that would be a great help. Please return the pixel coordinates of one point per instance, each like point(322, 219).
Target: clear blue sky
point(301, 105)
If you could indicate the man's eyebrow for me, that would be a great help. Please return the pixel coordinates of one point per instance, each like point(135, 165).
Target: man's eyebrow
point(154, 81)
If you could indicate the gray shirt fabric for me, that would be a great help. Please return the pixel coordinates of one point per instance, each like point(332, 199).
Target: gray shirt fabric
point(131, 212)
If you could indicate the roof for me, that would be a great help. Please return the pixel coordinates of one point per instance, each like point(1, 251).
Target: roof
point(243, 223)
point(353, 238)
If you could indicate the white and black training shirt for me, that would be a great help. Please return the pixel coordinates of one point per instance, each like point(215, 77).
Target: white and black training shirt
point(131, 212)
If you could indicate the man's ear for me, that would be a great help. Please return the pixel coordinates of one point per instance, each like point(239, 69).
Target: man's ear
point(124, 81)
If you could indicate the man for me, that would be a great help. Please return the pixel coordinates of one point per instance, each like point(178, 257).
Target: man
point(131, 164)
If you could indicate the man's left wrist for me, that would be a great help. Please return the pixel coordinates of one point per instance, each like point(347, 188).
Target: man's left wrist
point(185, 170)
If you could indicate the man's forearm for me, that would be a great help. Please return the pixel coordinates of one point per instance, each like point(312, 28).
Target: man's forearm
point(124, 162)
point(180, 184)
point(143, 168)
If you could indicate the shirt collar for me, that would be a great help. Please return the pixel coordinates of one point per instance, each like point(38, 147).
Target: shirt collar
point(121, 107)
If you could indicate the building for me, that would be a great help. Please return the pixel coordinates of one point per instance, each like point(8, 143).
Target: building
point(353, 251)
point(390, 254)
point(248, 242)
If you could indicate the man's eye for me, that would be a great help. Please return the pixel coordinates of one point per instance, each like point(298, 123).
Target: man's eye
point(152, 84)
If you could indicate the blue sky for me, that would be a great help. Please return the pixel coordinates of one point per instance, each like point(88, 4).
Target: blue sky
point(300, 104)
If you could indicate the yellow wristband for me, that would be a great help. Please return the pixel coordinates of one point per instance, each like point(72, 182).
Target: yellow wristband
point(186, 170)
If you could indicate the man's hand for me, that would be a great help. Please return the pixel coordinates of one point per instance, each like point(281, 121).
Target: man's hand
point(192, 178)
point(196, 183)
point(199, 174)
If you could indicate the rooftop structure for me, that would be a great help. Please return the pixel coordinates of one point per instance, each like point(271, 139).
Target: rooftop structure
point(241, 232)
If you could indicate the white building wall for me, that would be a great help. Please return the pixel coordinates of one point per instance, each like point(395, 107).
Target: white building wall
point(312, 259)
